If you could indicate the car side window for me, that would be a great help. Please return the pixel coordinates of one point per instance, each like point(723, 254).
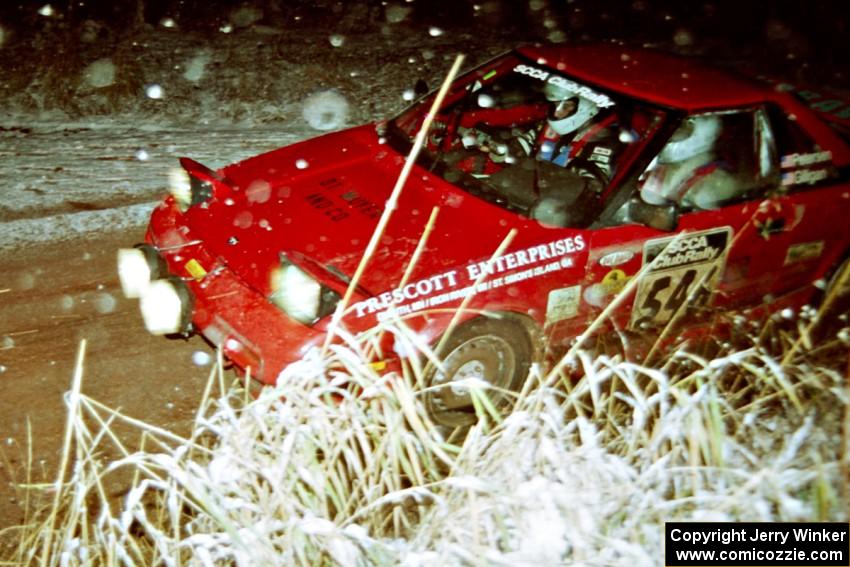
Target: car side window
point(711, 160)
point(802, 162)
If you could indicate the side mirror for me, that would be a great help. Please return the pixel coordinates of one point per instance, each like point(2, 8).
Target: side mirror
point(661, 217)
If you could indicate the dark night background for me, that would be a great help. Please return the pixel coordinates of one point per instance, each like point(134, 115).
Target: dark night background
point(821, 21)
point(797, 33)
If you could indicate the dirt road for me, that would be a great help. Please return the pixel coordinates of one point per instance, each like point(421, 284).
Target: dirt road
point(71, 196)
point(51, 297)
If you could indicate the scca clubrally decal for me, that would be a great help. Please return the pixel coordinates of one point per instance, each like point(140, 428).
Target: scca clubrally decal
point(682, 271)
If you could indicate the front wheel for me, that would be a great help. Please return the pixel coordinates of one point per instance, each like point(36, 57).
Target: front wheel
point(496, 351)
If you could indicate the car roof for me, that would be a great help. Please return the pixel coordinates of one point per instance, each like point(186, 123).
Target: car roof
point(655, 76)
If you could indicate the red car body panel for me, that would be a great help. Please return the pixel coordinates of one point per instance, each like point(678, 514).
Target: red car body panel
point(668, 80)
point(318, 202)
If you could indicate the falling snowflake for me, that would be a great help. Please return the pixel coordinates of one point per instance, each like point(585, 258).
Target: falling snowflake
point(683, 38)
point(154, 91)
point(243, 220)
point(259, 191)
point(245, 16)
point(396, 14)
point(557, 36)
point(104, 303)
point(201, 358)
point(100, 73)
point(485, 101)
point(326, 110)
point(196, 67)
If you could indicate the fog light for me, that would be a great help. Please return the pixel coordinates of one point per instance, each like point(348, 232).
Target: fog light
point(137, 267)
point(180, 187)
point(166, 307)
point(133, 272)
point(296, 293)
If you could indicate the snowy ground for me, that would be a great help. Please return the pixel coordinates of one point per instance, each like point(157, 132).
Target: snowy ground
point(71, 180)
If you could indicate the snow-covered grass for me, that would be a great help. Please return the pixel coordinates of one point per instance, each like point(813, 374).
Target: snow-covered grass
point(337, 465)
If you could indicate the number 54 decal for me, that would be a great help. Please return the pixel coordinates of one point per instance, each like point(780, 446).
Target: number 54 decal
point(682, 270)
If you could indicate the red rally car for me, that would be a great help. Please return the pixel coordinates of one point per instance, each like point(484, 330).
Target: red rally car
point(550, 177)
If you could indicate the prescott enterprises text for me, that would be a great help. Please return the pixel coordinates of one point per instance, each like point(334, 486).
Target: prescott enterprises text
point(447, 281)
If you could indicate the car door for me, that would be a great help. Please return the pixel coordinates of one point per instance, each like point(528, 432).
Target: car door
point(816, 234)
point(717, 170)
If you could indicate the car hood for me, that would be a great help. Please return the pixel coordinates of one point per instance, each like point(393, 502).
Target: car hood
point(319, 202)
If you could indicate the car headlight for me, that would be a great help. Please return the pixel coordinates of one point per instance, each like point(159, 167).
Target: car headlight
point(192, 185)
point(299, 295)
point(166, 307)
point(137, 267)
point(180, 187)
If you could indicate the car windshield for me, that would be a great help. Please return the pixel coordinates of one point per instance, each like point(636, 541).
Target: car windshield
point(531, 140)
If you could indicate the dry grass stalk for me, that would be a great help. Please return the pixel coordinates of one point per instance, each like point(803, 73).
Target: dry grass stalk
point(392, 202)
point(334, 466)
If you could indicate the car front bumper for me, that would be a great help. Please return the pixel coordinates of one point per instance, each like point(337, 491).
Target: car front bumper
point(252, 332)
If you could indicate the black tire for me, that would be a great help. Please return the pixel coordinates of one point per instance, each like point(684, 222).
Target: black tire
point(499, 351)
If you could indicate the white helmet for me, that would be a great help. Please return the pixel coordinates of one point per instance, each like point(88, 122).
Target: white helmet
point(564, 124)
point(696, 135)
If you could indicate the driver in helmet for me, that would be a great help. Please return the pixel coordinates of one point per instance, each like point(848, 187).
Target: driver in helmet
point(567, 114)
point(570, 131)
point(688, 170)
